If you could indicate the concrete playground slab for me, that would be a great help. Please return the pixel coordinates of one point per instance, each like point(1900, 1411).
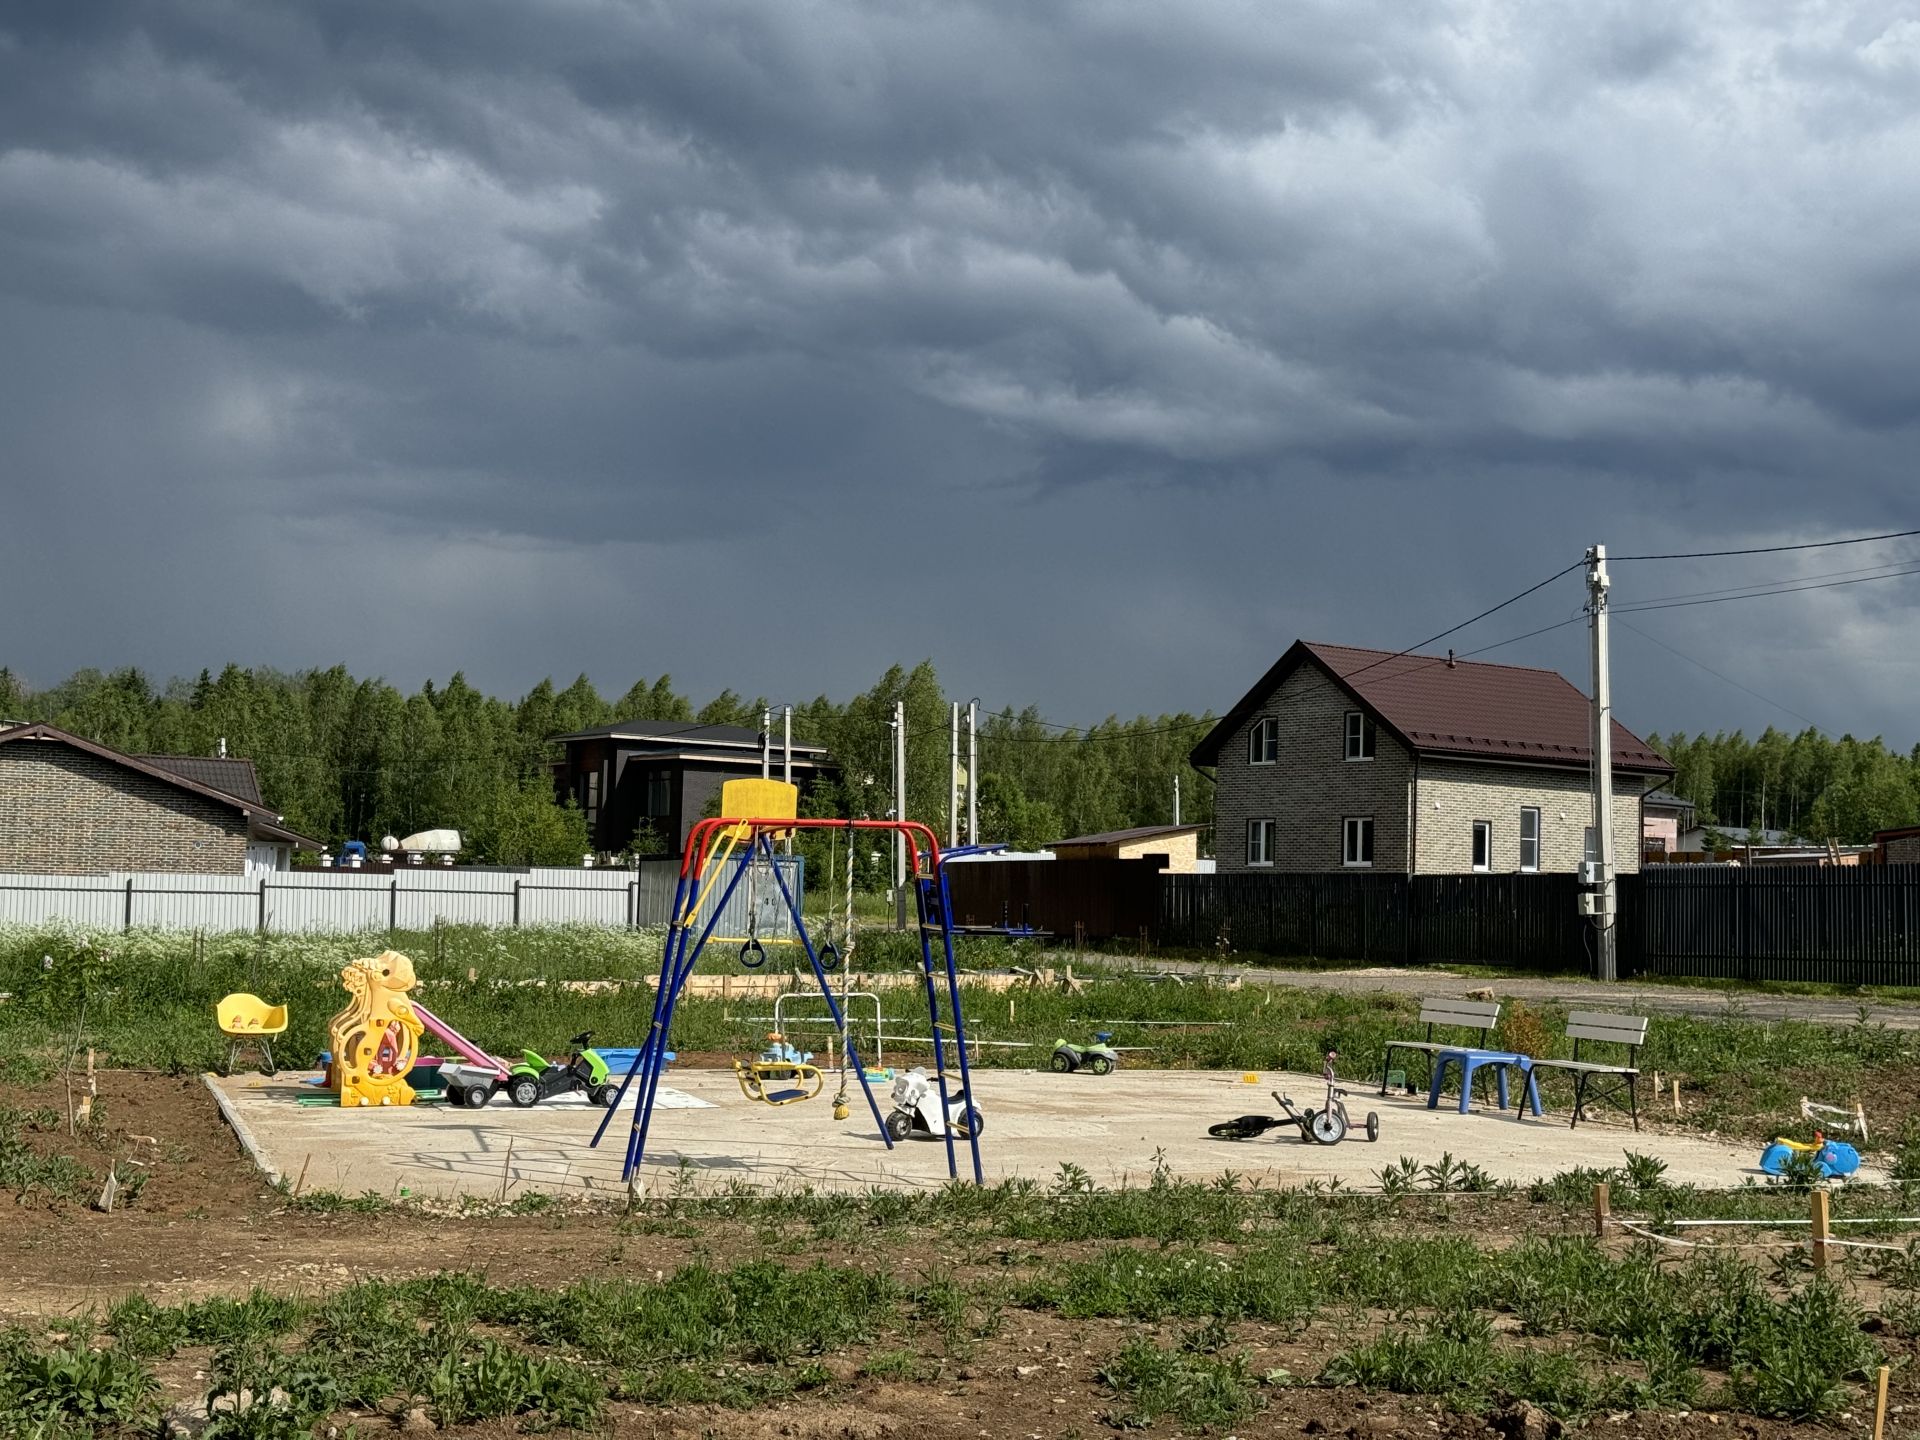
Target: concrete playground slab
point(1116, 1128)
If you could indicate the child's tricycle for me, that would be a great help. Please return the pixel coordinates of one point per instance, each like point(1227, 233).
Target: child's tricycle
point(1100, 1058)
point(1326, 1126)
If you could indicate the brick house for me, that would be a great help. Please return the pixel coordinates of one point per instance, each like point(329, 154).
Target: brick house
point(1348, 759)
point(71, 807)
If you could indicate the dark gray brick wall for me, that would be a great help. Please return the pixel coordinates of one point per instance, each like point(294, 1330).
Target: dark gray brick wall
point(64, 812)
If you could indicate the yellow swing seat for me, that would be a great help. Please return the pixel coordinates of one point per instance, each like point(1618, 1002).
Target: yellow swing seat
point(757, 1077)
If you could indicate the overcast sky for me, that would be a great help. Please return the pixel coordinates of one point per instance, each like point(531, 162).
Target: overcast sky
point(1095, 351)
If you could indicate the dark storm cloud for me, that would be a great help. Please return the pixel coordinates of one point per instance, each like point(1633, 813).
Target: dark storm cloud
point(1236, 320)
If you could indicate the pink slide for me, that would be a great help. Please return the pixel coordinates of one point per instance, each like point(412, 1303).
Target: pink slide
point(459, 1043)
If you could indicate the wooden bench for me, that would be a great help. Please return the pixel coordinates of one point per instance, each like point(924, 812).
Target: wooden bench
point(1596, 1027)
point(1476, 1015)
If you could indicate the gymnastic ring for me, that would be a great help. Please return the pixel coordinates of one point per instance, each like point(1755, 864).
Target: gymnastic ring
point(829, 957)
point(753, 955)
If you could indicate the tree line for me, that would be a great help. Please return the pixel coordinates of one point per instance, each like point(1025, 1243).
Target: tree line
point(349, 758)
point(1809, 785)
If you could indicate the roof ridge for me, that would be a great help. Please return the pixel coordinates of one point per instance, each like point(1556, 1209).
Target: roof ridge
point(1441, 659)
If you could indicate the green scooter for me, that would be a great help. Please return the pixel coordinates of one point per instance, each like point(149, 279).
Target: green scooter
point(535, 1079)
point(1100, 1058)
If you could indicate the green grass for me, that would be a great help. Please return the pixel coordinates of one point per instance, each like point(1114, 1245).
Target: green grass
point(149, 998)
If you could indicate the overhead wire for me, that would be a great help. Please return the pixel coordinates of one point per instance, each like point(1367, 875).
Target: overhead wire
point(1790, 589)
point(1772, 549)
point(1745, 689)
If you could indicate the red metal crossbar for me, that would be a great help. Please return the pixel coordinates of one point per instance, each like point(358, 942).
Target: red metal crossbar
point(701, 837)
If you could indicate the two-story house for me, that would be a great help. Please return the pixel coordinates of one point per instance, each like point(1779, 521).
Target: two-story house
point(1340, 758)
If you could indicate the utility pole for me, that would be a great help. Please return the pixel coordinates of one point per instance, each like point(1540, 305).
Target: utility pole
point(953, 782)
point(766, 742)
point(900, 813)
point(1599, 898)
point(973, 771)
point(1176, 797)
point(786, 758)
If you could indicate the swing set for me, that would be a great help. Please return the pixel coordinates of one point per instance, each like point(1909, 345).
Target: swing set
point(737, 848)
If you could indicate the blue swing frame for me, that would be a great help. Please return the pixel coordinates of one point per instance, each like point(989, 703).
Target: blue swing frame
point(683, 952)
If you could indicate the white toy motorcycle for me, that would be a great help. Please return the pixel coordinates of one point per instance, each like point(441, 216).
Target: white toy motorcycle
point(916, 1110)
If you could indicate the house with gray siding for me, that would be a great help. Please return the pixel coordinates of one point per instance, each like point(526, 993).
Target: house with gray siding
point(1347, 759)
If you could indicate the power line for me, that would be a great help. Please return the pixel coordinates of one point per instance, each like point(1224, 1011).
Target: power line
point(1768, 699)
point(1821, 575)
point(1771, 549)
point(1492, 610)
point(1759, 594)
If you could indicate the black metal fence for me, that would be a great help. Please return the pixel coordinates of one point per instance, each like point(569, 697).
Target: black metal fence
point(1845, 925)
point(1525, 920)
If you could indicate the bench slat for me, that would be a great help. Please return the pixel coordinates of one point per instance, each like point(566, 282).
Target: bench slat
point(1474, 1014)
point(1611, 1029)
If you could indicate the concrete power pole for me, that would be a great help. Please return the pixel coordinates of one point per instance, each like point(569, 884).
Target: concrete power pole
point(953, 781)
point(900, 812)
point(1598, 901)
point(786, 757)
point(766, 742)
point(1176, 797)
point(973, 772)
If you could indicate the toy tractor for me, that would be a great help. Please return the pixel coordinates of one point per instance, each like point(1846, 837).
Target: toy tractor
point(1099, 1058)
point(535, 1079)
point(916, 1110)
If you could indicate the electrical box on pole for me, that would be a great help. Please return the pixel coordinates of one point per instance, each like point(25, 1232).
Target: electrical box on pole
point(1597, 900)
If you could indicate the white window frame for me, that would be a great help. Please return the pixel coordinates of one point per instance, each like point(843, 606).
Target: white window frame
point(1538, 840)
point(1482, 846)
point(1359, 737)
point(1264, 830)
point(1263, 742)
point(1350, 831)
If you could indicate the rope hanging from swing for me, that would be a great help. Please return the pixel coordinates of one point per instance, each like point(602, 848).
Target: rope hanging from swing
point(840, 1105)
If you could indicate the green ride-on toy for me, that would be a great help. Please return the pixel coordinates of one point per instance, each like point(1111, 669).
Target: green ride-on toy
point(1100, 1058)
point(535, 1079)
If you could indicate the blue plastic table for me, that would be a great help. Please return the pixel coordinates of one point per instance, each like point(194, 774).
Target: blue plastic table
point(1470, 1061)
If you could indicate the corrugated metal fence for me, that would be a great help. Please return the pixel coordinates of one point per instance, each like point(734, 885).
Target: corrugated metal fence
point(410, 899)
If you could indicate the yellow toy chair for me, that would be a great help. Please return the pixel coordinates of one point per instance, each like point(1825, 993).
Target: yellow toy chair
point(248, 1017)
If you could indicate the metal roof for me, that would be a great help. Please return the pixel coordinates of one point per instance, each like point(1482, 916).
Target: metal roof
point(681, 732)
point(1121, 837)
point(226, 774)
point(1436, 705)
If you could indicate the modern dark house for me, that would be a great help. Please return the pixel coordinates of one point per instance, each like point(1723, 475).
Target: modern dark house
point(663, 773)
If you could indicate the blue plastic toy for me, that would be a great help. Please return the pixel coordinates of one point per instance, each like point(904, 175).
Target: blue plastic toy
point(1833, 1159)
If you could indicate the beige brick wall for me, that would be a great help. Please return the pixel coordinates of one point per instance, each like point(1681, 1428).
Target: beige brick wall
point(1312, 787)
point(64, 812)
point(1453, 794)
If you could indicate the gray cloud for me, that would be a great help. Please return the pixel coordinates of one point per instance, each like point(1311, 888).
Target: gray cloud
point(1096, 350)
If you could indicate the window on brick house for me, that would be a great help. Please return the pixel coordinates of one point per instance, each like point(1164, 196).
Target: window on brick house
point(1357, 841)
point(1359, 735)
point(1530, 838)
point(1482, 845)
point(1263, 745)
point(1260, 842)
point(659, 795)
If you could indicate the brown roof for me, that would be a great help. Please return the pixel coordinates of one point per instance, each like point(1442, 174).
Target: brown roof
point(1121, 837)
point(1465, 707)
point(228, 775)
point(262, 822)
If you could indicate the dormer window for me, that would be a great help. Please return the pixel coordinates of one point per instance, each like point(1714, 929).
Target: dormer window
point(1263, 745)
point(1360, 736)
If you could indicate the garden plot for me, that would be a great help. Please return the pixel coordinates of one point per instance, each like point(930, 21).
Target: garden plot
point(1117, 1129)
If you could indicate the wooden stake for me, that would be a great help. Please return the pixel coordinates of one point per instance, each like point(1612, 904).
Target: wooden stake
point(506, 1171)
point(1602, 1200)
point(1821, 1228)
point(300, 1184)
point(1880, 1407)
point(1676, 1097)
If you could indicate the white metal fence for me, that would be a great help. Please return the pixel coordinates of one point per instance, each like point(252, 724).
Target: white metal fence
point(407, 899)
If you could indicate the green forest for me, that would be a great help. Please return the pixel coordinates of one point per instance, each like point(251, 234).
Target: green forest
point(1809, 784)
point(346, 758)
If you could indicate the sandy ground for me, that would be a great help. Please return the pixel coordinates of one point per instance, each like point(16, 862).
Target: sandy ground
point(1114, 1127)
